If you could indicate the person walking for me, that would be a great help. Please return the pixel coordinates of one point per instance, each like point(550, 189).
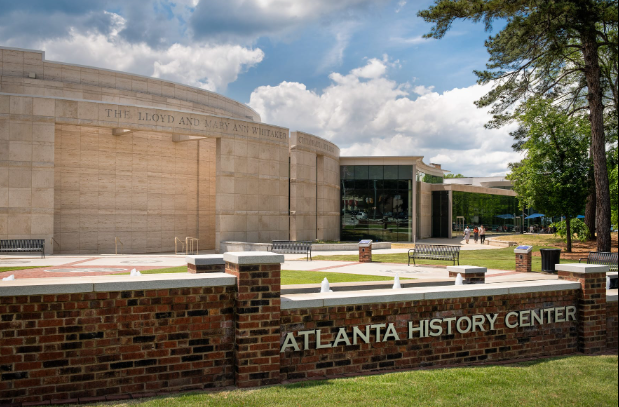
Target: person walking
point(482, 234)
point(475, 234)
point(467, 234)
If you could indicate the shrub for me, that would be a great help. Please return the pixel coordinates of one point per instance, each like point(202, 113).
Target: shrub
point(578, 228)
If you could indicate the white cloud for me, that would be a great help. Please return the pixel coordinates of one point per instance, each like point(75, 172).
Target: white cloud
point(366, 113)
point(335, 55)
point(210, 67)
point(411, 40)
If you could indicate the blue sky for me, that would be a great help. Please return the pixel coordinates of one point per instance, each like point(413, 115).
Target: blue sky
point(356, 72)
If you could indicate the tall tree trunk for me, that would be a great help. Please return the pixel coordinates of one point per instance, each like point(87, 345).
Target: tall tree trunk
point(598, 141)
point(568, 229)
point(590, 207)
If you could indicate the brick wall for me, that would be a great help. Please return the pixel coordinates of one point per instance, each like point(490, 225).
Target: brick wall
point(100, 344)
point(502, 343)
point(75, 346)
point(612, 325)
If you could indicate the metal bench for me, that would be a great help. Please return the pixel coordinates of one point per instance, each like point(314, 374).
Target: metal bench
point(290, 247)
point(434, 252)
point(23, 246)
point(602, 258)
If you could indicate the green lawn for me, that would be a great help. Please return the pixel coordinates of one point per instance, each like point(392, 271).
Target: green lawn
point(290, 277)
point(568, 381)
point(502, 259)
point(3, 269)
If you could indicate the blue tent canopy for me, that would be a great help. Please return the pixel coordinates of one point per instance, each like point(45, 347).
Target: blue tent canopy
point(580, 216)
point(506, 216)
point(535, 215)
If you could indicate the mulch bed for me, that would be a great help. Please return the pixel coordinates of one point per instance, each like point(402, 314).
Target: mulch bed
point(580, 250)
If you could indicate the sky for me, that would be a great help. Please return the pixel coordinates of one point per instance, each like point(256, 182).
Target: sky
point(355, 72)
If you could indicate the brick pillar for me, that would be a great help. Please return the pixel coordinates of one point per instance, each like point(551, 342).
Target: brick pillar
point(365, 253)
point(205, 263)
point(523, 258)
point(256, 348)
point(591, 303)
point(470, 274)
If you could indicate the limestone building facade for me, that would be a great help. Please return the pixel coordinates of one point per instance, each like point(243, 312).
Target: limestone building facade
point(94, 160)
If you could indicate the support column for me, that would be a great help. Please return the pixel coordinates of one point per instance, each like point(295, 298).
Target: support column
point(257, 318)
point(591, 304)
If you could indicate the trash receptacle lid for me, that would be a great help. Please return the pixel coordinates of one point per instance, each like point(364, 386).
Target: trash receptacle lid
point(365, 243)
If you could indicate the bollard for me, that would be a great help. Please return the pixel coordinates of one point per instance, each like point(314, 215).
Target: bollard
point(365, 251)
point(523, 258)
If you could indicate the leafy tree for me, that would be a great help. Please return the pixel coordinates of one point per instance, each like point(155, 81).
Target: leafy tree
point(454, 176)
point(553, 49)
point(578, 230)
point(553, 175)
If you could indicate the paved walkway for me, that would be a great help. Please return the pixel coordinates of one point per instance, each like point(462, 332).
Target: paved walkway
point(93, 265)
point(86, 265)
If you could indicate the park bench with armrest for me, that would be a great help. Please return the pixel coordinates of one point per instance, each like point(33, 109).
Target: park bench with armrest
point(434, 252)
point(23, 246)
point(602, 258)
point(290, 247)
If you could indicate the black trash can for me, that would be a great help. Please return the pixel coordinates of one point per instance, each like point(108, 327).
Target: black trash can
point(550, 257)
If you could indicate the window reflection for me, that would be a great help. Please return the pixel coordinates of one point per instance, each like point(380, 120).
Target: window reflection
point(378, 208)
point(495, 212)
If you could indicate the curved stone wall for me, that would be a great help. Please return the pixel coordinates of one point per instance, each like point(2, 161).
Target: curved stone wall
point(27, 72)
point(314, 188)
point(88, 156)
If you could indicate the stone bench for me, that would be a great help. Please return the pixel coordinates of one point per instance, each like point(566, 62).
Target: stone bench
point(206, 263)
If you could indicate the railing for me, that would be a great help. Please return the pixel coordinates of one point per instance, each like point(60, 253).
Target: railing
point(191, 245)
point(116, 241)
point(56, 241)
point(178, 242)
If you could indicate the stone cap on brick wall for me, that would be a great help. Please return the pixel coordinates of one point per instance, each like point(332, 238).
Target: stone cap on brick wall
point(611, 295)
point(467, 269)
point(206, 259)
point(253, 258)
point(71, 285)
point(295, 301)
point(582, 268)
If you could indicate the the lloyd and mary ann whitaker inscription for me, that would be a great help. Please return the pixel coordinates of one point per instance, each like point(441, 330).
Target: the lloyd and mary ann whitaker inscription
point(316, 143)
point(207, 124)
point(430, 328)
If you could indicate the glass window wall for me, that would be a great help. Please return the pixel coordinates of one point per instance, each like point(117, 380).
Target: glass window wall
point(495, 212)
point(376, 202)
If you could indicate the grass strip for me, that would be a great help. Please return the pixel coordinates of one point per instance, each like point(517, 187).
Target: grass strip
point(291, 277)
point(3, 269)
point(501, 259)
point(566, 381)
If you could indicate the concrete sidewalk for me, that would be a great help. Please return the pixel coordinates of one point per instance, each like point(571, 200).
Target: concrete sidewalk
point(91, 265)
